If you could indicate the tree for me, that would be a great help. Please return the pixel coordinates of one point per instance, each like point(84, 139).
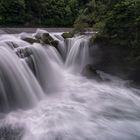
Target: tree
point(12, 12)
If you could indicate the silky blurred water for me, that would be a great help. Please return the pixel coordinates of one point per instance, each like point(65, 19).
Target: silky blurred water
point(74, 107)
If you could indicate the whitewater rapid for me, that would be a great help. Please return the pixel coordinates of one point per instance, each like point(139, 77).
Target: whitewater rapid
point(74, 107)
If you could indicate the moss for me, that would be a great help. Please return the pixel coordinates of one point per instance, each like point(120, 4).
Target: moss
point(67, 35)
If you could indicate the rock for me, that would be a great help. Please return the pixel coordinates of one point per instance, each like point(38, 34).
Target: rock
point(12, 44)
point(31, 40)
point(46, 38)
point(25, 52)
point(9, 132)
point(39, 33)
point(28, 38)
point(54, 43)
point(59, 37)
point(67, 35)
point(91, 73)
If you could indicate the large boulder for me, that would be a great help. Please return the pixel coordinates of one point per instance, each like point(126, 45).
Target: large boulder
point(39, 33)
point(31, 40)
point(45, 38)
point(67, 35)
point(23, 52)
point(91, 73)
point(28, 38)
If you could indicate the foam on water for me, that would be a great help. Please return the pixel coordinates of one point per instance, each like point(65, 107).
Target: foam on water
point(83, 109)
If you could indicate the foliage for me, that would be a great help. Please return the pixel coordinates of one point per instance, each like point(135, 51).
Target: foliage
point(39, 12)
point(122, 23)
point(119, 20)
point(12, 11)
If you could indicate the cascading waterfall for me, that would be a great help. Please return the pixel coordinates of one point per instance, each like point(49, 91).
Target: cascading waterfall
point(77, 53)
point(18, 87)
point(46, 61)
point(68, 105)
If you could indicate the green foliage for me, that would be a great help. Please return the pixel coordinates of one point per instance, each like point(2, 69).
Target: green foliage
point(39, 12)
point(117, 20)
point(122, 23)
point(11, 12)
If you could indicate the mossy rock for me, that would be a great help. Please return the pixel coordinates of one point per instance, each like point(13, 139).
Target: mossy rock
point(46, 39)
point(31, 40)
point(67, 35)
point(39, 34)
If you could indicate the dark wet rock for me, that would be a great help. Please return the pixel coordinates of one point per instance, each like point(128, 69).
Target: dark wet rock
point(54, 43)
point(91, 73)
point(25, 52)
point(29, 60)
point(10, 133)
point(28, 38)
point(67, 35)
point(31, 40)
point(45, 38)
point(12, 45)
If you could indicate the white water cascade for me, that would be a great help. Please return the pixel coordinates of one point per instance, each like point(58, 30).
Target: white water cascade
point(43, 95)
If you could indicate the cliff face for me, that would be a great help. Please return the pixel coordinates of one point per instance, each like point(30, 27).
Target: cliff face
point(116, 60)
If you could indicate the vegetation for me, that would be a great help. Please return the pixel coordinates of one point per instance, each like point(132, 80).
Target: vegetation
point(39, 12)
point(118, 20)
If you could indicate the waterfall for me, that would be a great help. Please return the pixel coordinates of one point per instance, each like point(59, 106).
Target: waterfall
point(77, 53)
point(47, 62)
point(44, 96)
point(18, 87)
point(24, 80)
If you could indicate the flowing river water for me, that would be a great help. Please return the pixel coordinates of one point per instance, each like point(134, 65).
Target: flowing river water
point(43, 95)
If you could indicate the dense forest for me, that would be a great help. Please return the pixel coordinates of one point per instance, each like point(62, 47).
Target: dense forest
point(39, 12)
